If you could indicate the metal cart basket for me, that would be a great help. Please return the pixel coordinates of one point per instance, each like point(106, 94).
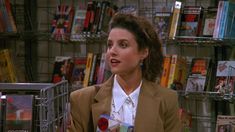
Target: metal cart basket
point(49, 107)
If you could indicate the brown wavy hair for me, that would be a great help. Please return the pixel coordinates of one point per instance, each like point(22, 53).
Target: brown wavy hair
point(146, 37)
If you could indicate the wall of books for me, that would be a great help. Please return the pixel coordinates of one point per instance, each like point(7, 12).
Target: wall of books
point(51, 41)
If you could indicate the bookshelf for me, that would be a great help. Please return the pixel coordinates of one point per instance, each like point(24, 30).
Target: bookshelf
point(205, 105)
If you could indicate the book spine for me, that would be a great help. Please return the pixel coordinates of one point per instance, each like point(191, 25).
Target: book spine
point(88, 16)
point(175, 20)
point(103, 9)
point(100, 77)
point(97, 18)
point(166, 71)
point(223, 20)
point(218, 19)
point(92, 70)
point(88, 69)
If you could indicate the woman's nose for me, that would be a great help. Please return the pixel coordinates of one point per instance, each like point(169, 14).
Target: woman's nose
point(112, 50)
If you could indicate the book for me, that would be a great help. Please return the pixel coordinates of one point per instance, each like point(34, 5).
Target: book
point(178, 72)
point(161, 22)
point(174, 20)
point(97, 16)
point(78, 72)
point(198, 74)
point(102, 67)
point(91, 78)
point(7, 69)
point(63, 67)
point(77, 28)
point(225, 77)
point(89, 18)
point(88, 69)
point(109, 12)
point(19, 113)
point(5, 16)
point(225, 123)
point(191, 21)
point(229, 30)
point(209, 21)
point(61, 24)
point(166, 71)
point(104, 6)
point(218, 19)
point(10, 16)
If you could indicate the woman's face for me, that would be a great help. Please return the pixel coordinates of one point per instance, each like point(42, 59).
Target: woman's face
point(123, 55)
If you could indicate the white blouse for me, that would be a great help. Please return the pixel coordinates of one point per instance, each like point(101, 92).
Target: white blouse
point(124, 106)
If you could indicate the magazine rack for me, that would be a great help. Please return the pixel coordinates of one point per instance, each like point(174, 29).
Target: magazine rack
point(49, 107)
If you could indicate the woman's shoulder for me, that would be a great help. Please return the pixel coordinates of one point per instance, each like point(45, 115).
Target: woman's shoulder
point(86, 92)
point(166, 91)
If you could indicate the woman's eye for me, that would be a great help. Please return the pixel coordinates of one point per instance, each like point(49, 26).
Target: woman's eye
point(109, 45)
point(123, 44)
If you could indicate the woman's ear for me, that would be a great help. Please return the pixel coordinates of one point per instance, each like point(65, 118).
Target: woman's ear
point(145, 53)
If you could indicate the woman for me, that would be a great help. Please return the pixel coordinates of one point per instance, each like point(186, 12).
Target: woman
point(131, 94)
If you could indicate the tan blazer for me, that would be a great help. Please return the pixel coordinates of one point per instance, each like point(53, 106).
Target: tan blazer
point(157, 109)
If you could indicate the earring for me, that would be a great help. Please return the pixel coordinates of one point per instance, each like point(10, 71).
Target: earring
point(141, 63)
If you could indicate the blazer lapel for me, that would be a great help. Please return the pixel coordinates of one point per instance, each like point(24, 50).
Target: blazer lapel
point(147, 116)
point(103, 101)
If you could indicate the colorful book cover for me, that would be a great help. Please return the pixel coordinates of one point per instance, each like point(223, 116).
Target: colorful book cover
point(63, 67)
point(89, 18)
point(61, 23)
point(191, 21)
point(225, 123)
point(78, 72)
point(225, 77)
point(209, 21)
point(19, 113)
point(76, 32)
point(198, 74)
point(161, 22)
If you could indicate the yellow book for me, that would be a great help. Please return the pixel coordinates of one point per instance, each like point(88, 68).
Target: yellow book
point(178, 72)
point(174, 20)
point(166, 71)
point(88, 69)
point(7, 70)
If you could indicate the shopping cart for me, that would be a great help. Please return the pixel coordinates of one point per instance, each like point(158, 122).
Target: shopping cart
point(49, 105)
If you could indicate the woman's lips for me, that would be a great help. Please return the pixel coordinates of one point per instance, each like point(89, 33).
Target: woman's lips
point(114, 62)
